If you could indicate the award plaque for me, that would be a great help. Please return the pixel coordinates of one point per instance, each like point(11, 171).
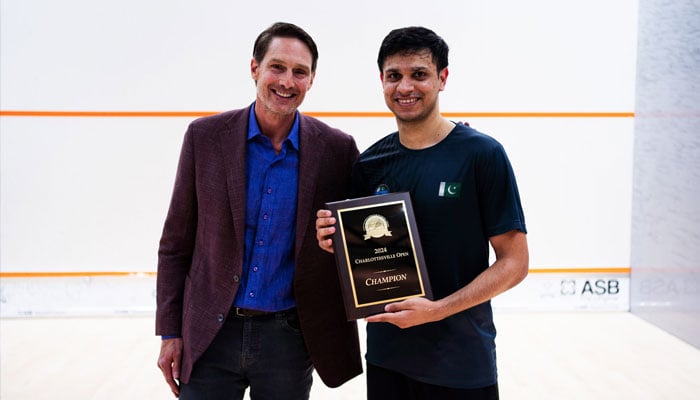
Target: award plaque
point(378, 253)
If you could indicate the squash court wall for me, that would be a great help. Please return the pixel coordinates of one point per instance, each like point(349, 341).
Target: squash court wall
point(89, 144)
point(665, 287)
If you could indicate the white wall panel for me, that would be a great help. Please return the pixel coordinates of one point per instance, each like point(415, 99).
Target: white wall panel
point(666, 222)
point(90, 194)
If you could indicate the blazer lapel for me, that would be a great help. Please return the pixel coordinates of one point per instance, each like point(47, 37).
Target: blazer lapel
point(233, 146)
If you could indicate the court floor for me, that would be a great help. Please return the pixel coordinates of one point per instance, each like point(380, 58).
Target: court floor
point(542, 355)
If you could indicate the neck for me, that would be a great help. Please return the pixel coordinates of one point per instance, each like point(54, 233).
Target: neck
point(423, 134)
point(275, 126)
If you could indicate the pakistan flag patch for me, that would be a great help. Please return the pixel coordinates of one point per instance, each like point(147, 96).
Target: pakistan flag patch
point(450, 189)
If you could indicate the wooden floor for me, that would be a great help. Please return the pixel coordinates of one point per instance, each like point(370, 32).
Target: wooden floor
point(547, 355)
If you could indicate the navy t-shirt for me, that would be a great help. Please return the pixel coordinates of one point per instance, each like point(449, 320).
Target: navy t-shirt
point(463, 191)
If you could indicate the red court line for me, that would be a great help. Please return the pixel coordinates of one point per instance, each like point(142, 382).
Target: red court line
point(108, 114)
point(319, 114)
point(83, 274)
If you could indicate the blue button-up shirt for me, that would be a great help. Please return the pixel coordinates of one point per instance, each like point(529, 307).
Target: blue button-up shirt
point(270, 221)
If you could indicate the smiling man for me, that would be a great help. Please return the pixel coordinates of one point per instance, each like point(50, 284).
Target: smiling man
point(464, 197)
point(245, 298)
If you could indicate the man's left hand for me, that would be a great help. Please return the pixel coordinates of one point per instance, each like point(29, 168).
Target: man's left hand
point(408, 313)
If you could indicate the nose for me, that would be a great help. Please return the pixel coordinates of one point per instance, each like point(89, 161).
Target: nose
point(286, 79)
point(405, 86)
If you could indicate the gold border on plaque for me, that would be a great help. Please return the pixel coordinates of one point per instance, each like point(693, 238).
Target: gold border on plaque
point(364, 303)
point(347, 255)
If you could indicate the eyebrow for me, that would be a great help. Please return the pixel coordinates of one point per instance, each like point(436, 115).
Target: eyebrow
point(280, 61)
point(413, 69)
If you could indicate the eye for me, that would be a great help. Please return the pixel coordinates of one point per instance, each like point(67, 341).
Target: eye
point(419, 75)
point(301, 73)
point(393, 76)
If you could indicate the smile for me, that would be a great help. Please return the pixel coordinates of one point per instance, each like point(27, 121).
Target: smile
point(286, 95)
point(410, 101)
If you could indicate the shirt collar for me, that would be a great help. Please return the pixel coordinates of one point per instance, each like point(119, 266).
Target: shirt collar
point(254, 128)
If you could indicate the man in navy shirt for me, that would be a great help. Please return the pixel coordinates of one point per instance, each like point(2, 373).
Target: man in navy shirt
point(245, 298)
point(464, 197)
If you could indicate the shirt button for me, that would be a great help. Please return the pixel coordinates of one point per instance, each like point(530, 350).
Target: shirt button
point(220, 317)
point(260, 242)
point(255, 269)
point(269, 190)
point(251, 294)
point(265, 216)
point(236, 278)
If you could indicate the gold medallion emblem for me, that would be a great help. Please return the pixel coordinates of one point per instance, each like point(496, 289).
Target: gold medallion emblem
point(376, 226)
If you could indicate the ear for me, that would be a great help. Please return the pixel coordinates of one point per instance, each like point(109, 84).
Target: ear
point(254, 69)
point(443, 78)
point(311, 80)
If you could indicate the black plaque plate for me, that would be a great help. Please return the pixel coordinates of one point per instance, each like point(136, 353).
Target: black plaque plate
point(378, 253)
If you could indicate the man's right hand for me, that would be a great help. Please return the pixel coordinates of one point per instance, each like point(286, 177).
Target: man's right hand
point(325, 229)
point(169, 362)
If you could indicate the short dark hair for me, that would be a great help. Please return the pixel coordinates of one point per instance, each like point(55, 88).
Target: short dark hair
point(411, 40)
point(286, 30)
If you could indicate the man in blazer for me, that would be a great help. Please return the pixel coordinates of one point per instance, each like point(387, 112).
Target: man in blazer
point(245, 297)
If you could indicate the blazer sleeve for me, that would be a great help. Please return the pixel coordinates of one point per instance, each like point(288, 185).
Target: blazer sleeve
point(177, 243)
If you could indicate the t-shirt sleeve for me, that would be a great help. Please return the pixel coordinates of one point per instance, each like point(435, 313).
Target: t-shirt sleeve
point(498, 193)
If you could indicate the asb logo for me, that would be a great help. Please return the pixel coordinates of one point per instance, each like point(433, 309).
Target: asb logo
point(598, 287)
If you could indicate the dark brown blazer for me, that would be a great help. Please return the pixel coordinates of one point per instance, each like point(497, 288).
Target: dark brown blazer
point(200, 258)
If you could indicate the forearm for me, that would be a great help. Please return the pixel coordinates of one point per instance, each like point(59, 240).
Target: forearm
point(498, 278)
point(509, 269)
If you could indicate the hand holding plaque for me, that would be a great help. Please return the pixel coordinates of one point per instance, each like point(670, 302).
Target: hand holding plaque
point(378, 253)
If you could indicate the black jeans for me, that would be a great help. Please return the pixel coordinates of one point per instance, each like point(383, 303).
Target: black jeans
point(384, 384)
point(266, 353)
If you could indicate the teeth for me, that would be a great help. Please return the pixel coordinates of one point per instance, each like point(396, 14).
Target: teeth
point(283, 94)
point(407, 101)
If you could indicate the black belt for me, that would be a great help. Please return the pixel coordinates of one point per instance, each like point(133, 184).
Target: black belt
point(248, 313)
